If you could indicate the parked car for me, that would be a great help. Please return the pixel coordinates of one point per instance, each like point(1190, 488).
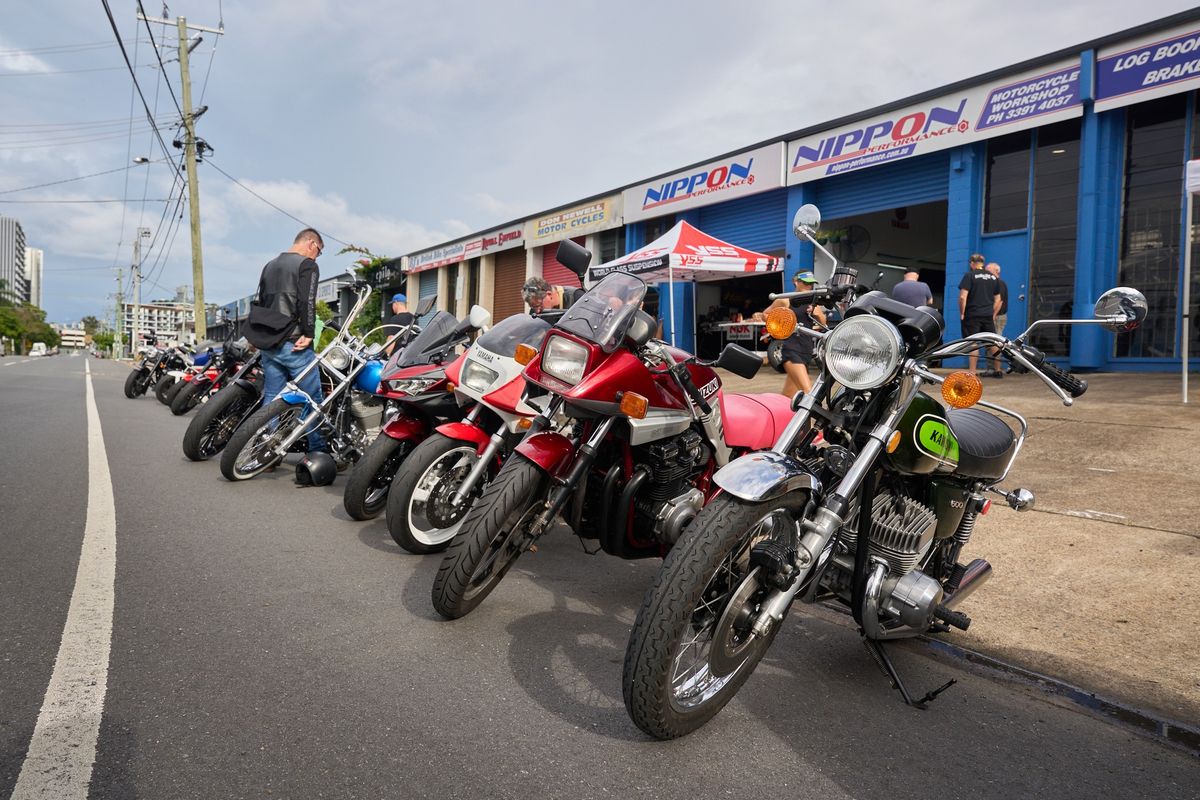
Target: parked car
point(38, 349)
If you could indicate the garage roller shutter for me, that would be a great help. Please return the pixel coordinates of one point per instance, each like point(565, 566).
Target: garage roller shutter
point(905, 183)
point(555, 273)
point(758, 222)
point(427, 286)
point(510, 277)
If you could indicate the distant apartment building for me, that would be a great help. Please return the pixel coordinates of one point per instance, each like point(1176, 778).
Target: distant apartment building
point(159, 319)
point(12, 259)
point(33, 274)
point(71, 338)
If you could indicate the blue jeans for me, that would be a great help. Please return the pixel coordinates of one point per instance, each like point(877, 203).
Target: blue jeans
point(283, 363)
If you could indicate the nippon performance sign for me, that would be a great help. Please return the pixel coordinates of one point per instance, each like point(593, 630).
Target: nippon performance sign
point(744, 174)
point(598, 215)
point(1038, 98)
point(1133, 72)
point(492, 242)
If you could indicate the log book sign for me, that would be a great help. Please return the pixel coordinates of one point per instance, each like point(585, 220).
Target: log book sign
point(1135, 71)
point(597, 215)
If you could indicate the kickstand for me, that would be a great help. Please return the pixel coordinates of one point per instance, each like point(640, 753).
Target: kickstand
point(889, 669)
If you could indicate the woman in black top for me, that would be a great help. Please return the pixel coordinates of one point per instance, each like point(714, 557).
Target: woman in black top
point(799, 351)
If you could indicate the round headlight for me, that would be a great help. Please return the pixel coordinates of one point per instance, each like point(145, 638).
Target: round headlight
point(862, 352)
point(338, 358)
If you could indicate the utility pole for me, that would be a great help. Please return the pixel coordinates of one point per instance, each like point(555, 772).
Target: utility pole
point(189, 148)
point(142, 233)
point(118, 348)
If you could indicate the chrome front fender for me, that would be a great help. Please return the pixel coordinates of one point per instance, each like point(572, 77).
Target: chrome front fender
point(765, 475)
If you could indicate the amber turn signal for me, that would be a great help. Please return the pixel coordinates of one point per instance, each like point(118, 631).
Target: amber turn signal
point(634, 405)
point(962, 389)
point(781, 322)
point(894, 441)
point(525, 423)
point(450, 387)
point(524, 354)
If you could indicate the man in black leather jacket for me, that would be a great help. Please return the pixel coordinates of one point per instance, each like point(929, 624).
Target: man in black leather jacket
point(288, 288)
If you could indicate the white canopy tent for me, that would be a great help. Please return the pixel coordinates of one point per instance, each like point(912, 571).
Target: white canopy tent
point(687, 254)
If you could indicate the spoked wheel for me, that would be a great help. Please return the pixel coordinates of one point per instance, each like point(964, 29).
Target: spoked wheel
point(251, 448)
point(692, 647)
point(493, 535)
point(214, 424)
point(421, 513)
point(367, 489)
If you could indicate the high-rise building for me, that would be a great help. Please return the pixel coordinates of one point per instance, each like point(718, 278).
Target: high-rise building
point(12, 259)
point(33, 273)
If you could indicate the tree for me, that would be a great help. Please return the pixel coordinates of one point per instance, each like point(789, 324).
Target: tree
point(90, 325)
point(103, 341)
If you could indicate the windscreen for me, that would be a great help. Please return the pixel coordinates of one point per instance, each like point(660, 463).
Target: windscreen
point(512, 331)
point(603, 314)
point(432, 338)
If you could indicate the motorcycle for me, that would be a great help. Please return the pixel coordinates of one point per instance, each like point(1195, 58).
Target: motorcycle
point(415, 385)
point(174, 379)
point(223, 366)
point(212, 426)
point(866, 499)
point(151, 366)
point(437, 482)
point(648, 426)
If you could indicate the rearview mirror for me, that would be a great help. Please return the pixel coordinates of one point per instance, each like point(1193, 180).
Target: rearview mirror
point(1121, 309)
point(807, 221)
point(479, 317)
point(739, 361)
point(574, 257)
point(425, 305)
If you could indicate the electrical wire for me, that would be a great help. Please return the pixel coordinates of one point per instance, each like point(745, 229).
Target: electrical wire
point(209, 161)
point(25, 128)
point(57, 48)
point(72, 180)
point(158, 55)
point(92, 200)
point(35, 72)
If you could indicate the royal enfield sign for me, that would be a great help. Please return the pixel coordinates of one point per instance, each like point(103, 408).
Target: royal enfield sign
point(598, 215)
point(727, 179)
point(973, 114)
point(492, 242)
point(1133, 72)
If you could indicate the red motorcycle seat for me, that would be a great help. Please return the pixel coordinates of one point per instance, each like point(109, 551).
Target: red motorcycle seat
point(754, 421)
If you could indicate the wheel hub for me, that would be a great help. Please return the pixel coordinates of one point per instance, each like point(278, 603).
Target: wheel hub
point(732, 638)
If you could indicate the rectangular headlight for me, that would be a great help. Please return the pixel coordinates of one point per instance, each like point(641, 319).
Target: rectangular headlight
point(564, 359)
point(477, 377)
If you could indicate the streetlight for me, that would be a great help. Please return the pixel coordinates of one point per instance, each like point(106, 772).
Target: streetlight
point(141, 160)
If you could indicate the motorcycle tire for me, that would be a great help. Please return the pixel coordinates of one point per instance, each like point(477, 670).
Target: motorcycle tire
point(367, 488)
point(174, 391)
point(775, 355)
point(712, 556)
point(435, 469)
point(165, 384)
point(490, 540)
point(248, 452)
point(136, 383)
point(188, 397)
point(210, 430)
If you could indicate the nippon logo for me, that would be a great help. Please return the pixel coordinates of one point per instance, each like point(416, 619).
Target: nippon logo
point(703, 182)
point(882, 135)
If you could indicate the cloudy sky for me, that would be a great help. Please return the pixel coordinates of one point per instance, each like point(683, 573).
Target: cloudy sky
point(395, 125)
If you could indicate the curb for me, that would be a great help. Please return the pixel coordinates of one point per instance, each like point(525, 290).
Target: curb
point(1177, 734)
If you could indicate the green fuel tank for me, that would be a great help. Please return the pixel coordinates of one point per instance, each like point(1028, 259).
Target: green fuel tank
point(927, 445)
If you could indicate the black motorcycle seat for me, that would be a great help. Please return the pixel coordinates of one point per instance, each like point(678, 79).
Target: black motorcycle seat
point(984, 442)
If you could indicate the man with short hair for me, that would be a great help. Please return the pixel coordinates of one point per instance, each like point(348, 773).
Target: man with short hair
point(283, 317)
point(1001, 316)
point(913, 291)
point(401, 318)
point(540, 296)
point(978, 303)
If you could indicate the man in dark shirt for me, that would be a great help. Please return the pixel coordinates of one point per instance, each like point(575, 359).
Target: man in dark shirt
point(913, 291)
point(401, 318)
point(288, 287)
point(978, 303)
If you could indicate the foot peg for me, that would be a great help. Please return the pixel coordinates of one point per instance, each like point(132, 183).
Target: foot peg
point(956, 619)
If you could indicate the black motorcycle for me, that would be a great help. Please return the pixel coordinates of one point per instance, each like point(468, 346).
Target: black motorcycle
point(151, 367)
point(223, 366)
point(215, 422)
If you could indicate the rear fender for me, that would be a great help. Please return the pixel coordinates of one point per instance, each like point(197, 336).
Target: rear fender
point(246, 384)
point(551, 452)
point(765, 475)
point(406, 429)
point(465, 432)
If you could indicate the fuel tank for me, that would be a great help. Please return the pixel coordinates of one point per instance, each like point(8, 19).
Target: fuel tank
point(927, 445)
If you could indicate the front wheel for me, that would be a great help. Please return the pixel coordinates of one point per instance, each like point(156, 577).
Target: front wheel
point(137, 382)
point(493, 536)
point(692, 647)
point(251, 449)
point(214, 424)
point(367, 489)
point(421, 514)
point(187, 397)
point(775, 355)
point(165, 384)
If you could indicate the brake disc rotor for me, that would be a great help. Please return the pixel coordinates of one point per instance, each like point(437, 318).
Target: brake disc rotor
point(732, 640)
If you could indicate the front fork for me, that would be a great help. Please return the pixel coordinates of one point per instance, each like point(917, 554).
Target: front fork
point(561, 493)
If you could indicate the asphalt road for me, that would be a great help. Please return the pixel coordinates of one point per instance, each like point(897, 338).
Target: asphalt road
point(265, 645)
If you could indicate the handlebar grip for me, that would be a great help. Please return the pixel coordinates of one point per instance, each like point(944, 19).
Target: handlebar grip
point(1065, 380)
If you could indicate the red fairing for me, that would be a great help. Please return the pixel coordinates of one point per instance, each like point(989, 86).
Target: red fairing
point(454, 368)
point(507, 396)
point(754, 421)
point(605, 375)
point(406, 429)
point(464, 432)
point(551, 451)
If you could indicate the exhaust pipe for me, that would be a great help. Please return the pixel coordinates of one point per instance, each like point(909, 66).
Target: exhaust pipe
point(976, 574)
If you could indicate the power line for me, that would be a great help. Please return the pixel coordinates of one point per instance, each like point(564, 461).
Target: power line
point(72, 180)
point(158, 55)
point(92, 200)
point(57, 48)
point(209, 161)
point(82, 125)
point(27, 73)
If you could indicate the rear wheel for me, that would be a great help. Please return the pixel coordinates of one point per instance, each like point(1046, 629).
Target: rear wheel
point(366, 492)
point(493, 536)
point(251, 448)
point(421, 514)
point(210, 430)
point(692, 647)
point(187, 397)
point(164, 385)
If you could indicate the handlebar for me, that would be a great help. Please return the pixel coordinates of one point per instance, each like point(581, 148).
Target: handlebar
point(1064, 380)
point(681, 373)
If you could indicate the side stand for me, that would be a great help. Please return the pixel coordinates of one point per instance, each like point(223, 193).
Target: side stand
point(889, 669)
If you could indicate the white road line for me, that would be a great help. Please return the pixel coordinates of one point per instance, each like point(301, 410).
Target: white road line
point(1101, 469)
point(63, 748)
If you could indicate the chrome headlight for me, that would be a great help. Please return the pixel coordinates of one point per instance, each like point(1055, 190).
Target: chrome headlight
point(862, 352)
point(337, 357)
point(564, 359)
point(477, 377)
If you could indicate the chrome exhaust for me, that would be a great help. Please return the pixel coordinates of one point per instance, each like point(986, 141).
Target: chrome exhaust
point(977, 574)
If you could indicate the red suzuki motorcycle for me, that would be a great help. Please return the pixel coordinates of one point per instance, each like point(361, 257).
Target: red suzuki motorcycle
point(650, 425)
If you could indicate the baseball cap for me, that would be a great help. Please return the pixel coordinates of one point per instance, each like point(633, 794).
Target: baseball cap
point(399, 298)
point(805, 277)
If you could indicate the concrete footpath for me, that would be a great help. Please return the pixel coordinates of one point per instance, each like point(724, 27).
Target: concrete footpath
point(1097, 585)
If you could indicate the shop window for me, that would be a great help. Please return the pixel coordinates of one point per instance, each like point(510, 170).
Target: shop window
point(472, 278)
point(1006, 195)
point(612, 245)
point(1150, 230)
point(654, 228)
point(1052, 253)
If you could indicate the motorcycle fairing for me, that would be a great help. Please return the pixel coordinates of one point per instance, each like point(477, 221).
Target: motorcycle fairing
point(550, 451)
point(765, 475)
point(465, 432)
point(406, 429)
